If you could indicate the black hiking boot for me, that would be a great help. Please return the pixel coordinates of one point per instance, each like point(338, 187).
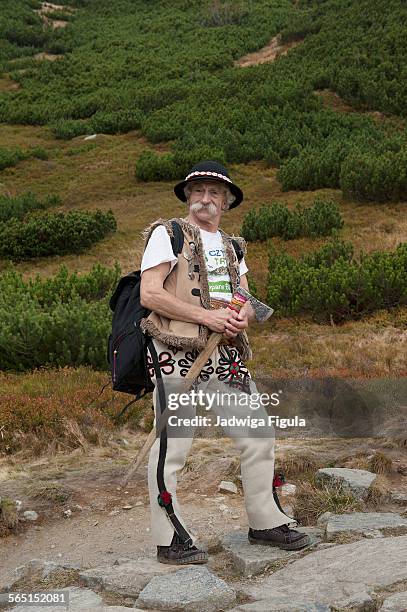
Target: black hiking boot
point(180, 554)
point(282, 536)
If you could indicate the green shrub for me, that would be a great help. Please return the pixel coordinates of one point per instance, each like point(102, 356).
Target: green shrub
point(10, 157)
point(60, 321)
point(54, 233)
point(313, 169)
point(39, 153)
point(153, 167)
point(17, 207)
point(329, 284)
point(321, 219)
point(368, 176)
point(65, 129)
point(115, 122)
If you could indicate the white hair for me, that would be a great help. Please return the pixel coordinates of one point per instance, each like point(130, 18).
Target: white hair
point(230, 198)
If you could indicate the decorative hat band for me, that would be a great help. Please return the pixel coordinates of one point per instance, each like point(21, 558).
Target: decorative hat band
point(221, 176)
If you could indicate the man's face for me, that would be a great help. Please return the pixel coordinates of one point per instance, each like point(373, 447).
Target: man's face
point(207, 199)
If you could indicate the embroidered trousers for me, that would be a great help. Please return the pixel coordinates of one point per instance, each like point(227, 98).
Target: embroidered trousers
point(223, 371)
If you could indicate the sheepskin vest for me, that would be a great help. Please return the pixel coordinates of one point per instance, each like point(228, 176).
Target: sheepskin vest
point(188, 281)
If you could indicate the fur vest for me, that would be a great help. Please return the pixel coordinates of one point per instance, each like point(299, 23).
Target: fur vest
point(188, 281)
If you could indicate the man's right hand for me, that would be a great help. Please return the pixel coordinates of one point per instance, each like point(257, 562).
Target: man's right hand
point(216, 319)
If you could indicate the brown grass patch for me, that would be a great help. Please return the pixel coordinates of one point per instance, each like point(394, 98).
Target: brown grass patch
point(297, 465)
point(312, 501)
point(46, 411)
point(8, 516)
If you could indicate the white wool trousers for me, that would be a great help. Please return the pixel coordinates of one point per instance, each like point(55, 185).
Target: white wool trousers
point(223, 376)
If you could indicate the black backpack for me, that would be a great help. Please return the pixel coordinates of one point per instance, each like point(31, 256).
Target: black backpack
point(127, 345)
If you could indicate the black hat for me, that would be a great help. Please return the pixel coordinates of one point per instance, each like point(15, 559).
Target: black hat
point(207, 171)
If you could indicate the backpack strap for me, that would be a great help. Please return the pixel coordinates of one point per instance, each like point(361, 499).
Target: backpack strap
point(177, 240)
point(238, 250)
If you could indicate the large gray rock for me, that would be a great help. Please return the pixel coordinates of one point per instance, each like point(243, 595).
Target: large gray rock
point(127, 578)
point(192, 588)
point(368, 524)
point(340, 576)
point(395, 603)
point(250, 559)
point(79, 599)
point(355, 481)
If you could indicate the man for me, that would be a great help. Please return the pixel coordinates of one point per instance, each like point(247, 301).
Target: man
point(188, 295)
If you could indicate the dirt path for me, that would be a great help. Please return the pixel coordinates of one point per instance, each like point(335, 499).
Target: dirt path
point(101, 529)
point(269, 53)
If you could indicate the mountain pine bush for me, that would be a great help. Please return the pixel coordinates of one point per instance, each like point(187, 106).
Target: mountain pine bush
point(54, 233)
point(321, 219)
point(59, 321)
point(330, 284)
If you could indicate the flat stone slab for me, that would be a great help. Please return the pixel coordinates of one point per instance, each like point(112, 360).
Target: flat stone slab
point(191, 588)
point(127, 578)
point(355, 481)
point(363, 567)
point(250, 559)
point(79, 599)
point(265, 606)
point(368, 524)
point(395, 603)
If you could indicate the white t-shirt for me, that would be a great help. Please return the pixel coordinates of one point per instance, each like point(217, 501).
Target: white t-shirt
point(159, 250)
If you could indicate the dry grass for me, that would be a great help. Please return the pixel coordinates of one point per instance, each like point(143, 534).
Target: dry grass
point(50, 492)
point(298, 465)
point(47, 411)
point(312, 501)
point(380, 464)
point(8, 516)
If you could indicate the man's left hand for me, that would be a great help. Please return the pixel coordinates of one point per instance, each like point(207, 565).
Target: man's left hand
point(237, 322)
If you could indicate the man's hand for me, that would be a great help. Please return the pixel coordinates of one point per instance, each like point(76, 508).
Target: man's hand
point(227, 321)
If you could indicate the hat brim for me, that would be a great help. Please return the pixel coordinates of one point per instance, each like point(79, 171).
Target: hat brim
point(179, 189)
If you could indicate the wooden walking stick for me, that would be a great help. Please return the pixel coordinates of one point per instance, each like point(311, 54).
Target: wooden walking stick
point(240, 297)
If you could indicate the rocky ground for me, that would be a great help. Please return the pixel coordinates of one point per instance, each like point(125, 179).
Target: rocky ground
point(80, 531)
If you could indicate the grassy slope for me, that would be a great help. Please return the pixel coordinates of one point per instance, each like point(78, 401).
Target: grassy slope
point(103, 177)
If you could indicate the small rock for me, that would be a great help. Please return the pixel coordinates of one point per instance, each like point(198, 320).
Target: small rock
point(91, 137)
point(223, 508)
point(95, 523)
point(288, 489)
point(357, 482)
point(398, 497)
point(67, 513)
point(395, 603)
point(227, 486)
point(18, 503)
point(127, 507)
point(78, 507)
point(323, 518)
point(30, 515)
point(139, 503)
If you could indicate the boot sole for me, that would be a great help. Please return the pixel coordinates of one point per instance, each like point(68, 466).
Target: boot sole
point(305, 541)
point(199, 558)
